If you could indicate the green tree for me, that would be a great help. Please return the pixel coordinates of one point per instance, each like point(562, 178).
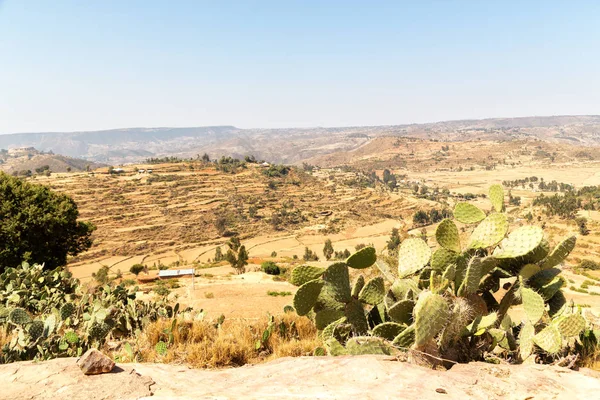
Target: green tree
point(394, 242)
point(328, 249)
point(136, 269)
point(218, 254)
point(237, 255)
point(38, 225)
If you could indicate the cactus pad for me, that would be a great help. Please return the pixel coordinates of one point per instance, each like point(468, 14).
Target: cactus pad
point(489, 232)
point(401, 288)
point(363, 258)
point(329, 330)
point(570, 325)
point(447, 236)
point(373, 292)
point(337, 278)
point(319, 352)
point(358, 285)
point(528, 271)
point(481, 323)
point(526, 340)
point(355, 314)
point(496, 195)
point(326, 300)
point(325, 317)
point(549, 290)
point(288, 309)
point(449, 272)
point(49, 325)
point(305, 273)
point(388, 330)
point(66, 311)
point(557, 304)
point(521, 242)
point(431, 314)
point(406, 338)
point(548, 339)
point(360, 345)
point(476, 270)
point(161, 348)
point(533, 305)
point(19, 316)
point(441, 258)
point(402, 311)
point(71, 337)
point(306, 296)
point(413, 255)
point(36, 329)
point(560, 252)
point(467, 213)
point(334, 347)
point(543, 278)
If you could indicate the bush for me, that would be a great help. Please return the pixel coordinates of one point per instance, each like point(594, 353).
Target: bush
point(136, 269)
point(590, 265)
point(270, 268)
point(32, 215)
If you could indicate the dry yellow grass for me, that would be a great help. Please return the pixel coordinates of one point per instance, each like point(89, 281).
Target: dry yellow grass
point(203, 344)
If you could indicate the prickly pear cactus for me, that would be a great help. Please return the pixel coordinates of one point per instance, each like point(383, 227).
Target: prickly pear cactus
point(447, 236)
point(431, 315)
point(363, 258)
point(19, 316)
point(161, 348)
point(305, 273)
point(413, 255)
point(451, 303)
point(468, 213)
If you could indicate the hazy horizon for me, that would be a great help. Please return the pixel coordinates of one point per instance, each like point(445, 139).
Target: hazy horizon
point(72, 66)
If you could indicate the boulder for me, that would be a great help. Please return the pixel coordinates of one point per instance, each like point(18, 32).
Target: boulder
point(93, 362)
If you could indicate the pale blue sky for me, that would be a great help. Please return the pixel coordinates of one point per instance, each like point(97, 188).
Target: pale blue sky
point(100, 64)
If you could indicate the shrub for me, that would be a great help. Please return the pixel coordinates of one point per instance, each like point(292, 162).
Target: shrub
point(270, 268)
point(136, 269)
point(589, 264)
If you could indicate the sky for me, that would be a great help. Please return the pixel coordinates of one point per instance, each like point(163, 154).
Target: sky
point(71, 65)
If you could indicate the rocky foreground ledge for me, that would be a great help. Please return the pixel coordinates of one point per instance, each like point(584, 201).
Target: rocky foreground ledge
point(358, 377)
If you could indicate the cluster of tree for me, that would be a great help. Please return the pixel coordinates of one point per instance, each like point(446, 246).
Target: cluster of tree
point(43, 170)
point(534, 182)
point(309, 255)
point(166, 160)
point(389, 179)
point(276, 171)
point(514, 200)
point(229, 164)
point(422, 218)
point(26, 173)
point(342, 255)
point(286, 216)
point(564, 206)
point(38, 225)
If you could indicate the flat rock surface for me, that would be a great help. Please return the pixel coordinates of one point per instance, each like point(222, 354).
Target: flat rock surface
point(363, 377)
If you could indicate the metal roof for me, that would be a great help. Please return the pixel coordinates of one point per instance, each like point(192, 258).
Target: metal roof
point(169, 273)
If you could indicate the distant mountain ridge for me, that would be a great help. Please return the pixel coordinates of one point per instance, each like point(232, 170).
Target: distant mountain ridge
point(292, 145)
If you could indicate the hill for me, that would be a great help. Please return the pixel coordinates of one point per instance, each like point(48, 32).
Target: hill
point(294, 145)
point(28, 160)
